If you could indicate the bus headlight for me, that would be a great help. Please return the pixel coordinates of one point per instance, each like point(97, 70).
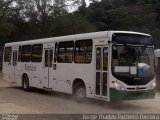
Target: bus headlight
point(118, 86)
point(152, 86)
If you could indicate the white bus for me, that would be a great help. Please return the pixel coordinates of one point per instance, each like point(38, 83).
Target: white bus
point(108, 65)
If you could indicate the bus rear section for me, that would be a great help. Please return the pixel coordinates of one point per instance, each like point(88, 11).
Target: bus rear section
point(9, 63)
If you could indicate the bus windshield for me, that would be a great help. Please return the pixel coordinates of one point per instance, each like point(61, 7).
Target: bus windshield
point(132, 61)
point(125, 38)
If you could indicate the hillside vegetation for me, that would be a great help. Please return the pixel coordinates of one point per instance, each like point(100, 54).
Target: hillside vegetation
point(132, 15)
point(32, 19)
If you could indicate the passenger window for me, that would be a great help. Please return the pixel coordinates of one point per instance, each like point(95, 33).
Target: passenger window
point(19, 53)
point(7, 54)
point(37, 53)
point(55, 52)
point(26, 53)
point(83, 51)
point(65, 52)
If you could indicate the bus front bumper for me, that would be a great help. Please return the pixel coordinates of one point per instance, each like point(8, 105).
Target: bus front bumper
point(118, 95)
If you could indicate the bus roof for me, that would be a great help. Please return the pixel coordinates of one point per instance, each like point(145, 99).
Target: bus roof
point(93, 35)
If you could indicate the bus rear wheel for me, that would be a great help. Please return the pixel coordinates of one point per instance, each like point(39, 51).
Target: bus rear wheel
point(79, 92)
point(25, 83)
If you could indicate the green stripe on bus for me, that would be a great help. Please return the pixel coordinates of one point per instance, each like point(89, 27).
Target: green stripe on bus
point(118, 95)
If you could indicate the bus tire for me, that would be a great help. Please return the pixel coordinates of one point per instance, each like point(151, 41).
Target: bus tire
point(25, 83)
point(79, 92)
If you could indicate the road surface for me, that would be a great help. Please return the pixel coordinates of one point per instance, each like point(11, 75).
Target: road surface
point(14, 100)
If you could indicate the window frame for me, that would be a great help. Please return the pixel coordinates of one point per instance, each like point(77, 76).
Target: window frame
point(36, 54)
point(83, 52)
point(10, 54)
point(58, 52)
point(19, 53)
point(29, 59)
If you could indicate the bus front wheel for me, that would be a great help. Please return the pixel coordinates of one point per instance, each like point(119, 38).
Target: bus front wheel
point(25, 83)
point(79, 92)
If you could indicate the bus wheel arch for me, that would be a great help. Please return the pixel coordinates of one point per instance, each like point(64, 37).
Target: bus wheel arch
point(79, 90)
point(25, 82)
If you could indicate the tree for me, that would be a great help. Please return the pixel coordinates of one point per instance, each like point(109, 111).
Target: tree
point(156, 6)
point(119, 3)
point(71, 24)
point(5, 8)
point(96, 13)
point(7, 30)
point(39, 14)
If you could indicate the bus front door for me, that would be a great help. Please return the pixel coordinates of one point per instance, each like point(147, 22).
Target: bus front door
point(14, 66)
point(47, 67)
point(101, 81)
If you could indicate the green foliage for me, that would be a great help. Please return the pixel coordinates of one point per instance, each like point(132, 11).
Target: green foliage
point(156, 5)
point(7, 30)
point(71, 24)
point(32, 19)
point(132, 15)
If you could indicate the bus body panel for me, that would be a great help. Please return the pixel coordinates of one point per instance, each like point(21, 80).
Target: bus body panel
point(57, 76)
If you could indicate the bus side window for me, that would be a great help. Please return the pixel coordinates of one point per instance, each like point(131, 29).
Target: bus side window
point(7, 54)
point(19, 53)
point(26, 53)
point(37, 53)
point(83, 51)
point(55, 52)
point(65, 52)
